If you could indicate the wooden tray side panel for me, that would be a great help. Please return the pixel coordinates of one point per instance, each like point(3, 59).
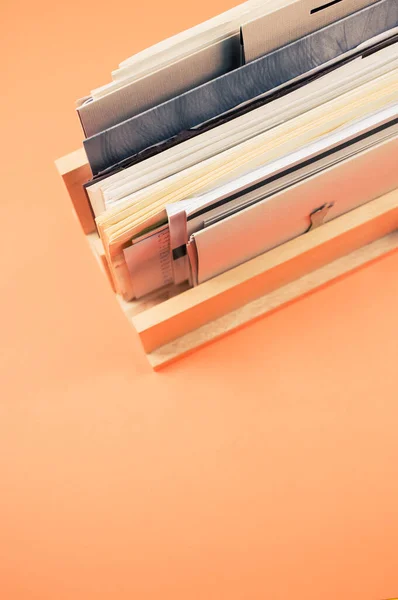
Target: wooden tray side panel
point(75, 172)
point(229, 291)
point(268, 304)
point(172, 325)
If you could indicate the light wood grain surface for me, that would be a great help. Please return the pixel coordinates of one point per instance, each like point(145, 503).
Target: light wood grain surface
point(272, 301)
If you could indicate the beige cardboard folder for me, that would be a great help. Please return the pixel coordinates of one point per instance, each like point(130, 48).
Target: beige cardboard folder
point(125, 100)
point(292, 22)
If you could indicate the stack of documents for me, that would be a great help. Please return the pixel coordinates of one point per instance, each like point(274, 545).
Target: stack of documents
point(226, 140)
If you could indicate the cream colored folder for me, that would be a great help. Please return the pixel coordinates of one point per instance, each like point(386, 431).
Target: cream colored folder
point(292, 22)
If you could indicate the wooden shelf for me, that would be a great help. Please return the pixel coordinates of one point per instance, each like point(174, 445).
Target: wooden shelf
point(176, 321)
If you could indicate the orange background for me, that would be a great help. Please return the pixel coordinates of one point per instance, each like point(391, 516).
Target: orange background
point(264, 466)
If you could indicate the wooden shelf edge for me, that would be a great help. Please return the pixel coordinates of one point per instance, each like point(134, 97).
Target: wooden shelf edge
point(72, 162)
point(173, 324)
point(171, 320)
point(75, 172)
point(273, 301)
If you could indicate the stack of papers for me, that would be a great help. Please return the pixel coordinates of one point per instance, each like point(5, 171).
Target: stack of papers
point(219, 144)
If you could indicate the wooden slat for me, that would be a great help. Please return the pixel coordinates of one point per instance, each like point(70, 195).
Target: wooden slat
point(266, 305)
point(75, 172)
point(170, 320)
point(176, 321)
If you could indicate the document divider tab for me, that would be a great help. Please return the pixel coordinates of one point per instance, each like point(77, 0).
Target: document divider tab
point(178, 241)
